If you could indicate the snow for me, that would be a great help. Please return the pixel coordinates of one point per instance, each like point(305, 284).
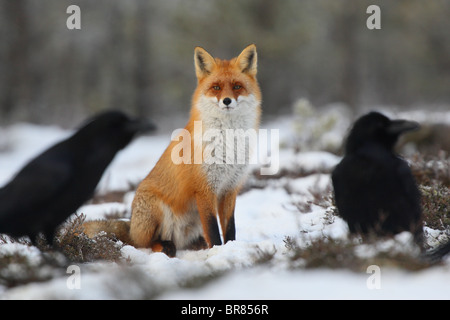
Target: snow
point(263, 284)
point(264, 218)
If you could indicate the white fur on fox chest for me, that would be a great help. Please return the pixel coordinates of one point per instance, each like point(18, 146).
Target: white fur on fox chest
point(227, 171)
point(182, 229)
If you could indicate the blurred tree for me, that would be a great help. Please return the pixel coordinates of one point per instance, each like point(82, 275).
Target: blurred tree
point(137, 55)
point(142, 78)
point(15, 65)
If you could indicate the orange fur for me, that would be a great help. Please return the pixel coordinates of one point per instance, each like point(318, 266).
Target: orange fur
point(176, 204)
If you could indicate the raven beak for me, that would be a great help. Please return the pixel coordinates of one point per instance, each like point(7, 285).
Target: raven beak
point(399, 126)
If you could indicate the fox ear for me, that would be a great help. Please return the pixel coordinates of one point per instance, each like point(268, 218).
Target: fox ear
point(247, 60)
point(204, 62)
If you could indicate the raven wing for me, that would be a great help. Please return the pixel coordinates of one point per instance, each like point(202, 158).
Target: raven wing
point(37, 185)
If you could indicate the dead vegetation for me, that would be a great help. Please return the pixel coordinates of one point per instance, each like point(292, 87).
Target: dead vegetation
point(23, 263)
point(346, 254)
point(72, 246)
point(78, 247)
point(433, 177)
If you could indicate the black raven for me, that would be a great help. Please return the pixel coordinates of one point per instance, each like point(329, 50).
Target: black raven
point(56, 183)
point(374, 189)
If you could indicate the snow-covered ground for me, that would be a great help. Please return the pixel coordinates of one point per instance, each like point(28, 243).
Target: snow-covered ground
point(264, 216)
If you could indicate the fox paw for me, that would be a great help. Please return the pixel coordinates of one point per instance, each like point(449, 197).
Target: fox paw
point(167, 247)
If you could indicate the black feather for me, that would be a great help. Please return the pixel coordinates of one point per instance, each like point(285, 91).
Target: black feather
point(374, 189)
point(52, 186)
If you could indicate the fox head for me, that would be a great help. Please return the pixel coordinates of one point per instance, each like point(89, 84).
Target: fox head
point(227, 86)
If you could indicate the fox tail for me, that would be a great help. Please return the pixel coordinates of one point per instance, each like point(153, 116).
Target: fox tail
point(119, 229)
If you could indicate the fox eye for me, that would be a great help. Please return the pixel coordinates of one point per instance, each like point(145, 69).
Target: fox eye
point(216, 88)
point(237, 87)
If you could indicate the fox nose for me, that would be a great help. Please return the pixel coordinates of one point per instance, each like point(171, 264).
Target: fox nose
point(226, 101)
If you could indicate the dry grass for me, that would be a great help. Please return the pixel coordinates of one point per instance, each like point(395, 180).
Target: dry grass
point(432, 176)
point(345, 254)
point(24, 263)
point(431, 169)
point(72, 246)
point(78, 247)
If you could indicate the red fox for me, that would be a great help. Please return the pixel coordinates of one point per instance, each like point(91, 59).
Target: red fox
point(176, 205)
